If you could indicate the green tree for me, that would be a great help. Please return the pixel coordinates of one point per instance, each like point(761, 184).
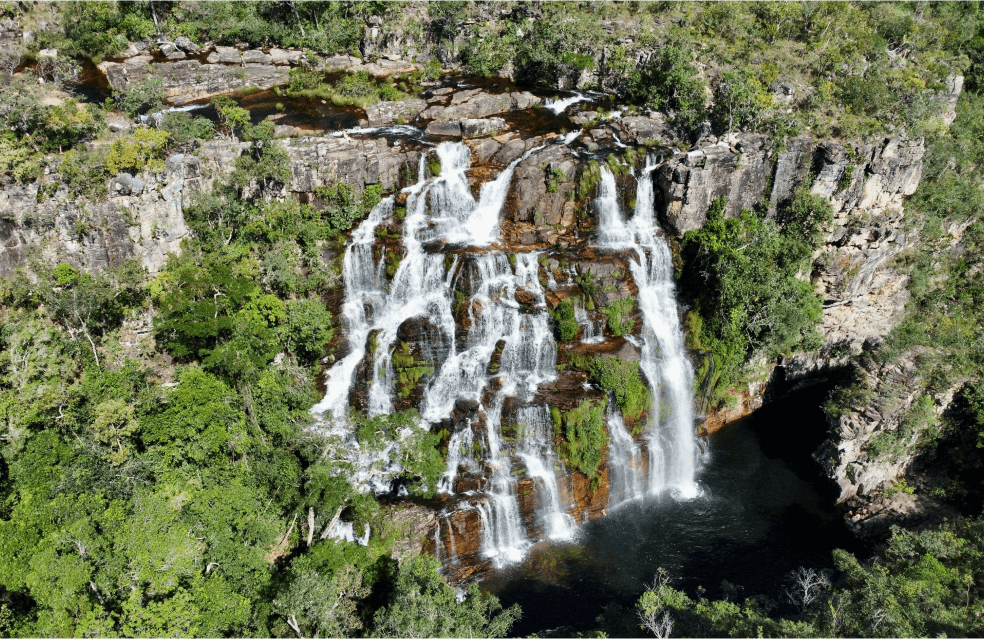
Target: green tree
point(740, 100)
point(315, 605)
point(422, 604)
point(669, 81)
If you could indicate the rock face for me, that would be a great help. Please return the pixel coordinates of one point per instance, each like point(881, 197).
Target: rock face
point(871, 445)
point(144, 216)
point(866, 184)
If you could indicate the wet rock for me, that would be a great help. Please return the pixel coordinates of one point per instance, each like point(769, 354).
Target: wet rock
point(476, 103)
point(485, 149)
point(510, 151)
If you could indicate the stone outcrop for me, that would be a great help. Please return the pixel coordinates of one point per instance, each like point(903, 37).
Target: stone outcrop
point(871, 443)
point(143, 218)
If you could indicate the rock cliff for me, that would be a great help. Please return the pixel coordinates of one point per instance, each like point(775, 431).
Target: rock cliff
point(864, 295)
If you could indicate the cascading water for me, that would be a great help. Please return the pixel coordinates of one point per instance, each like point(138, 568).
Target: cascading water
point(537, 452)
point(443, 210)
point(670, 433)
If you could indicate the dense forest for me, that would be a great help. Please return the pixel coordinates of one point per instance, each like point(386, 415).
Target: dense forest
point(161, 471)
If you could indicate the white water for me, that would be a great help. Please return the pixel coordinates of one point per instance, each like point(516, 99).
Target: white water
point(536, 449)
point(443, 210)
point(670, 432)
point(559, 106)
point(483, 285)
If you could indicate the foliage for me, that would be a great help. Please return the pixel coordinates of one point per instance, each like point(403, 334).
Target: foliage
point(618, 322)
point(740, 100)
point(421, 604)
point(351, 89)
point(20, 161)
point(670, 82)
point(140, 97)
point(623, 380)
point(184, 128)
point(140, 152)
point(409, 370)
point(566, 322)
point(583, 436)
point(746, 273)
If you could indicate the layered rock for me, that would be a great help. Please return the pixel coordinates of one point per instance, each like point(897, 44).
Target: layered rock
point(143, 218)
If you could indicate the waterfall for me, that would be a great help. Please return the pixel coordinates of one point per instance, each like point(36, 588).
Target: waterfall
point(560, 105)
point(625, 462)
point(536, 433)
point(443, 210)
point(589, 333)
point(670, 431)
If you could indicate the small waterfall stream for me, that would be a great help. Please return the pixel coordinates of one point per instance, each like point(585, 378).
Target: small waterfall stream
point(670, 434)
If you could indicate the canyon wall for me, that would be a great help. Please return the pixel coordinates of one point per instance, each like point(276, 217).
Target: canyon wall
point(864, 294)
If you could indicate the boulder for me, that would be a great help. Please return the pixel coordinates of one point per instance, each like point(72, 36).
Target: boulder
point(186, 45)
point(478, 128)
point(444, 128)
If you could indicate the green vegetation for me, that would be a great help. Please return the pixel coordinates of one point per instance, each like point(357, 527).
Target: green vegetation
point(921, 585)
point(409, 369)
point(749, 296)
point(162, 485)
point(566, 323)
point(623, 380)
point(141, 152)
point(618, 322)
point(669, 82)
point(351, 89)
point(582, 434)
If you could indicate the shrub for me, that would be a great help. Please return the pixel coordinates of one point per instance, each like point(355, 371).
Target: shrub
point(740, 100)
point(623, 380)
point(617, 311)
point(140, 97)
point(20, 161)
point(566, 323)
point(582, 430)
point(140, 152)
point(184, 128)
point(670, 82)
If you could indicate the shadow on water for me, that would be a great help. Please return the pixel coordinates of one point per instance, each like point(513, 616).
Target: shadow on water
point(761, 515)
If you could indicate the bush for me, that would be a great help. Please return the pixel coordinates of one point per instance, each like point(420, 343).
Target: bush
point(617, 311)
point(140, 152)
point(140, 97)
point(582, 430)
point(184, 128)
point(566, 323)
point(670, 82)
point(740, 100)
point(352, 89)
point(624, 381)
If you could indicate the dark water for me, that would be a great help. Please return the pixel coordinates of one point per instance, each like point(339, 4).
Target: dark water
point(760, 516)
